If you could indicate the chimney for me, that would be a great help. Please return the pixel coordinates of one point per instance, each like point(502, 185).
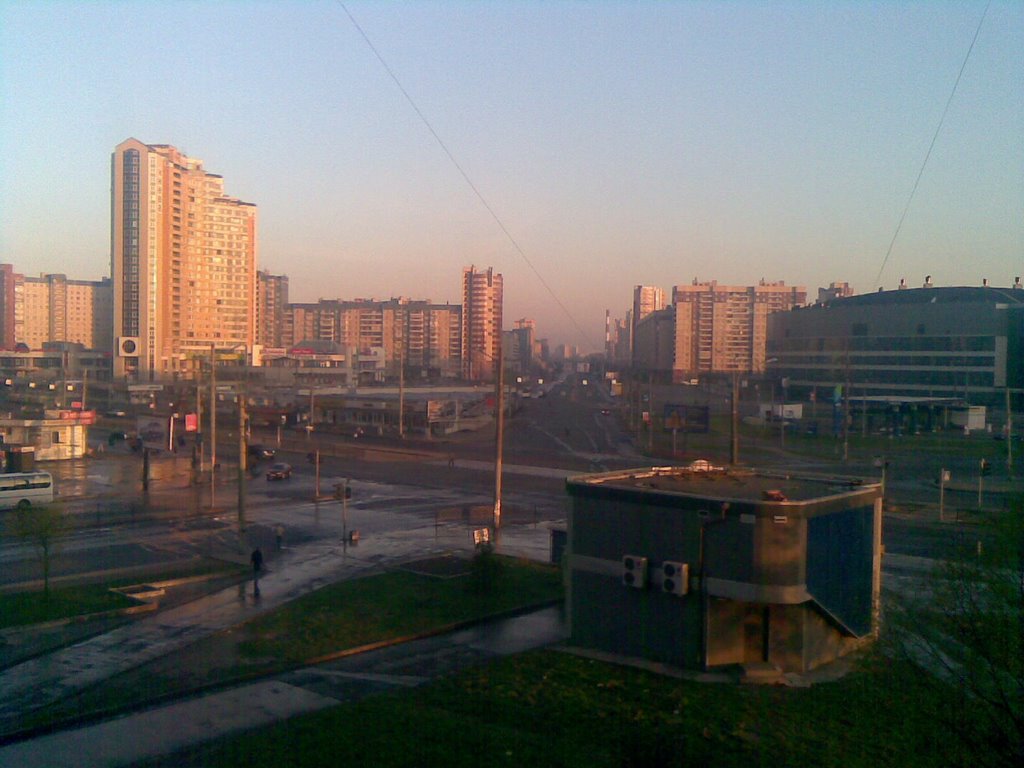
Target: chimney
point(1016, 282)
point(927, 281)
point(903, 283)
point(984, 282)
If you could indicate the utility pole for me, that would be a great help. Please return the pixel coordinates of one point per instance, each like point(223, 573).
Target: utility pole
point(199, 419)
point(734, 453)
point(401, 377)
point(1010, 434)
point(650, 411)
point(242, 451)
point(213, 414)
point(309, 427)
point(499, 438)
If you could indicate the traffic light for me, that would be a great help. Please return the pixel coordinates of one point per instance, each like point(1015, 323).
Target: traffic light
point(986, 468)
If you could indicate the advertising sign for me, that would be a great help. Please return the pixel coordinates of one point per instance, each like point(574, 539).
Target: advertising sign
point(686, 418)
point(152, 432)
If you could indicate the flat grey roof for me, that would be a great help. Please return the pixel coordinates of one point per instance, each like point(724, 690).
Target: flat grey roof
point(720, 483)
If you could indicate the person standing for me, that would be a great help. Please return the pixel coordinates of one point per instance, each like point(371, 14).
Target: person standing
point(279, 535)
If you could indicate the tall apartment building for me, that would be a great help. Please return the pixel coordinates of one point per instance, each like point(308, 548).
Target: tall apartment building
point(9, 288)
point(520, 349)
point(422, 335)
point(647, 299)
point(183, 262)
point(52, 308)
point(481, 323)
point(271, 309)
point(720, 328)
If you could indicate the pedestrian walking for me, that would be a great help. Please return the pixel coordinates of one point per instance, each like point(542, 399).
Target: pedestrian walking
point(256, 558)
point(279, 535)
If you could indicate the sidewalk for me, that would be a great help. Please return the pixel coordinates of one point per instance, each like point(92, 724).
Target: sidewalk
point(164, 730)
point(43, 680)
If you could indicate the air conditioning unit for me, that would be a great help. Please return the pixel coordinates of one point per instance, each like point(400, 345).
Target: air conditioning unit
point(675, 577)
point(127, 346)
point(634, 571)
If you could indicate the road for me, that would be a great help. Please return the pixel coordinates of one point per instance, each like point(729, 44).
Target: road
point(412, 487)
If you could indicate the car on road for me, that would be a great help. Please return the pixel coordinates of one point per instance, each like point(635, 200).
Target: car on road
point(279, 471)
point(260, 452)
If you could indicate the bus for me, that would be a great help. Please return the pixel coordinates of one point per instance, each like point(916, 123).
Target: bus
point(19, 490)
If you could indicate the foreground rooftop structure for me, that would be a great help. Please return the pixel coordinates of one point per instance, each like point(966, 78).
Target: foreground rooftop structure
point(701, 567)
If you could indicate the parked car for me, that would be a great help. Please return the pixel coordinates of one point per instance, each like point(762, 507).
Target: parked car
point(260, 452)
point(280, 471)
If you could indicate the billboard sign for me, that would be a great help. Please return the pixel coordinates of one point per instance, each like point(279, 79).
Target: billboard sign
point(153, 432)
point(686, 418)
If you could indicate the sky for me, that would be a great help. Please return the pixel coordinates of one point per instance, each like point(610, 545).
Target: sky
point(579, 148)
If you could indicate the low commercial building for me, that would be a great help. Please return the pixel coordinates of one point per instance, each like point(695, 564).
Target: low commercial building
point(704, 567)
point(61, 434)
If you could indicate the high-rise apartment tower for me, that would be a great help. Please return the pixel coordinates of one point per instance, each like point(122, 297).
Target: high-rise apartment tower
point(481, 323)
point(183, 263)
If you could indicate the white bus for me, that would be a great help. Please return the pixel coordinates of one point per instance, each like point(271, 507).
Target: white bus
point(23, 489)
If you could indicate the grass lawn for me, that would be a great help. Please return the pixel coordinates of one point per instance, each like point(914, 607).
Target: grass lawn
point(334, 618)
point(354, 613)
point(23, 608)
point(548, 708)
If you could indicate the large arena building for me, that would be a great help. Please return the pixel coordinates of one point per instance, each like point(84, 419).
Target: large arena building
point(963, 344)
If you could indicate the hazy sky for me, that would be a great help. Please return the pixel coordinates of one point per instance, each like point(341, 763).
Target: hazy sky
point(618, 143)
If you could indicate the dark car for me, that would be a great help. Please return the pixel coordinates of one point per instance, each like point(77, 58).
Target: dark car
point(260, 452)
point(279, 472)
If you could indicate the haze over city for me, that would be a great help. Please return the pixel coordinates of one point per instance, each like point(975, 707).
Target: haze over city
point(617, 144)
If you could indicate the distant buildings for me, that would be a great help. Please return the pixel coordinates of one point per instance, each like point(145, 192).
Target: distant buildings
point(964, 343)
point(185, 280)
point(271, 309)
point(711, 328)
point(423, 337)
point(52, 308)
point(481, 323)
point(183, 263)
point(647, 299)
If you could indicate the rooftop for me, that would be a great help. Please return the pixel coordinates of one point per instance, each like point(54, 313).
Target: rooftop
point(744, 484)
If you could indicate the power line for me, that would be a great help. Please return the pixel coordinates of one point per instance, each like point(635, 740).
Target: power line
point(928, 154)
point(462, 172)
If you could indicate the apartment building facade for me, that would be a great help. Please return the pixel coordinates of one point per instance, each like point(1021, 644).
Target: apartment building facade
point(51, 308)
point(183, 263)
point(647, 299)
point(724, 328)
point(420, 336)
point(271, 309)
point(482, 293)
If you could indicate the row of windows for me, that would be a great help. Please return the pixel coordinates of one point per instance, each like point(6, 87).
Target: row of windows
point(886, 344)
point(899, 361)
point(956, 380)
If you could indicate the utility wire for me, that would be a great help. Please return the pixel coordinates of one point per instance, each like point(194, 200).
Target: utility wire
point(928, 154)
point(462, 172)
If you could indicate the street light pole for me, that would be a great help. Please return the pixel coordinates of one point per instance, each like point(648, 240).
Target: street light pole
point(734, 442)
point(499, 439)
point(213, 414)
point(241, 463)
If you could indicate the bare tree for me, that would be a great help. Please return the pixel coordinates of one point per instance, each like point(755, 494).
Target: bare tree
point(966, 628)
point(42, 526)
